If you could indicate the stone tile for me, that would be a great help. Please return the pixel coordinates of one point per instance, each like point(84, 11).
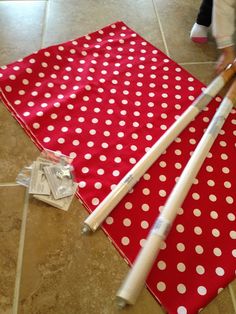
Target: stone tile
point(17, 150)
point(233, 292)
point(221, 304)
point(71, 19)
point(177, 20)
point(21, 28)
point(63, 269)
point(21, 1)
point(12, 201)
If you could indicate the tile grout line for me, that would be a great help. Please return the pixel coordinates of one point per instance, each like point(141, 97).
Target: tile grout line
point(233, 297)
point(20, 255)
point(44, 24)
point(161, 29)
point(6, 184)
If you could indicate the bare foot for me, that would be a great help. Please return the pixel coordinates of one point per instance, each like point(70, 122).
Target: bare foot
point(227, 56)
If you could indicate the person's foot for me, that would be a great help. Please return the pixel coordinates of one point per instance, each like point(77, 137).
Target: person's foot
point(198, 33)
point(227, 57)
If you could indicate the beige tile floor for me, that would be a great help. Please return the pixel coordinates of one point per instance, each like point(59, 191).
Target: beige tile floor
point(46, 266)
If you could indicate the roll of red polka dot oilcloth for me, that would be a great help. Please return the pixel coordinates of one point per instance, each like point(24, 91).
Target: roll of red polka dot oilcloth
point(105, 99)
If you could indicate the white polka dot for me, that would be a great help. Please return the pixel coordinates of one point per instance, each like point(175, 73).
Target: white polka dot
point(227, 184)
point(109, 220)
point(47, 95)
point(36, 125)
point(145, 207)
point(53, 116)
point(132, 161)
point(8, 88)
point(234, 253)
point(64, 129)
point(85, 169)
point(220, 271)
point(217, 251)
point(181, 267)
point(144, 224)
point(119, 146)
point(181, 288)
point(161, 286)
point(198, 230)
point(224, 156)
point(61, 140)
point(82, 184)
point(195, 196)
point(46, 139)
point(73, 155)
point(180, 247)
point(98, 185)
point(215, 232)
point(147, 176)
point(209, 168)
point(12, 77)
point(117, 159)
point(214, 214)
point(180, 211)
point(161, 265)
point(128, 205)
point(95, 201)
point(75, 142)
point(146, 191)
point(162, 193)
point(116, 173)
point(181, 310)
point(125, 241)
point(87, 156)
point(180, 228)
point(229, 200)
point(163, 245)
point(162, 164)
point(231, 217)
point(200, 269)
point(199, 249)
point(100, 171)
point(50, 128)
point(210, 182)
point(90, 144)
point(197, 212)
point(178, 165)
point(126, 222)
point(162, 178)
point(102, 157)
point(225, 170)
point(105, 145)
point(232, 234)
point(212, 198)
point(201, 290)
point(192, 129)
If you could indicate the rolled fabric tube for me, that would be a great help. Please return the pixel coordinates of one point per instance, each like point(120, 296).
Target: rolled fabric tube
point(94, 220)
point(136, 278)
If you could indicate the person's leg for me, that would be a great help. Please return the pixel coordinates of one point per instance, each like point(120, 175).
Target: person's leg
point(200, 28)
point(205, 13)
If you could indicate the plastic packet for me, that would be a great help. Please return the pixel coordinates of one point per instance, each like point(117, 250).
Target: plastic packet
point(24, 176)
point(50, 179)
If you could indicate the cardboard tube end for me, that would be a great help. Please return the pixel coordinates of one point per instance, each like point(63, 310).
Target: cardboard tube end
point(121, 303)
point(85, 229)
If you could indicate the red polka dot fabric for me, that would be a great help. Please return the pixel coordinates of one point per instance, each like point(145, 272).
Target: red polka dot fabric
point(105, 99)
